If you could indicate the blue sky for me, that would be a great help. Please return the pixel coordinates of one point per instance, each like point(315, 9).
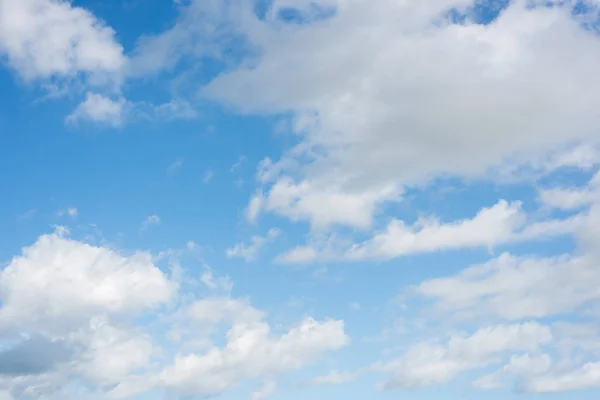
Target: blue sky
point(293, 199)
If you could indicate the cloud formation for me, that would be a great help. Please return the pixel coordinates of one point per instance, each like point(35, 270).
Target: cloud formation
point(46, 39)
point(84, 326)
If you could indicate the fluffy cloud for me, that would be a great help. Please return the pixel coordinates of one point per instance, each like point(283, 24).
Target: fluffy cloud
point(585, 377)
point(112, 354)
point(500, 224)
point(100, 109)
point(513, 287)
point(572, 198)
point(69, 312)
point(216, 283)
point(45, 39)
point(323, 206)
point(59, 281)
point(518, 367)
point(251, 351)
point(63, 299)
point(520, 288)
point(427, 364)
point(396, 93)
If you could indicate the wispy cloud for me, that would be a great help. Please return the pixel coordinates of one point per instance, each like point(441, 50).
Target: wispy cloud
point(175, 166)
point(70, 211)
point(238, 164)
point(249, 251)
point(208, 176)
point(28, 214)
point(150, 221)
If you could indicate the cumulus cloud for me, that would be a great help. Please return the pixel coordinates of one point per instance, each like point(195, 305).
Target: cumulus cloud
point(323, 206)
point(100, 109)
point(61, 303)
point(515, 288)
point(585, 377)
point(252, 351)
point(45, 39)
point(86, 280)
point(427, 364)
point(84, 326)
point(392, 94)
point(501, 224)
point(382, 97)
point(518, 289)
point(112, 354)
point(568, 199)
point(518, 367)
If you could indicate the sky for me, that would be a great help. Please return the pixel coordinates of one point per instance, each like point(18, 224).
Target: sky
point(298, 199)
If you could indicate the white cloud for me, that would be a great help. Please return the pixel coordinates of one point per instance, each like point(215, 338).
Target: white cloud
point(100, 109)
point(84, 328)
point(513, 288)
point(112, 354)
point(174, 109)
point(149, 221)
point(216, 283)
point(518, 288)
point(86, 281)
point(427, 364)
point(254, 208)
point(69, 302)
point(584, 156)
point(201, 31)
point(71, 212)
point(250, 251)
point(501, 224)
point(572, 198)
point(215, 310)
point(322, 205)
point(519, 367)
point(491, 226)
point(383, 97)
point(251, 351)
point(299, 255)
point(585, 377)
point(44, 39)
